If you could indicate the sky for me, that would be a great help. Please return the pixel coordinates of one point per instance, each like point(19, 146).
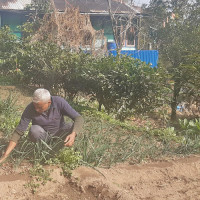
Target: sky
point(140, 2)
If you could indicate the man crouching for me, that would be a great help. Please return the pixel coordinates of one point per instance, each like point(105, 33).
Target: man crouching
point(46, 113)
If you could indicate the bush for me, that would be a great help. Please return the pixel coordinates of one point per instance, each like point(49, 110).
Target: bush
point(9, 46)
point(124, 85)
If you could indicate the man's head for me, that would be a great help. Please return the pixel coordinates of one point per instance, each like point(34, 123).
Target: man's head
point(41, 100)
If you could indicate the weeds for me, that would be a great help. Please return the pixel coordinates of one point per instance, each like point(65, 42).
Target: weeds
point(167, 135)
point(38, 152)
point(68, 159)
point(39, 176)
point(9, 117)
point(104, 144)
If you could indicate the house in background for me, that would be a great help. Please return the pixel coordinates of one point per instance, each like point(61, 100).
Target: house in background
point(98, 10)
point(13, 14)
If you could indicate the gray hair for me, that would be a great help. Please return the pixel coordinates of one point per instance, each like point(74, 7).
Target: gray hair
point(41, 94)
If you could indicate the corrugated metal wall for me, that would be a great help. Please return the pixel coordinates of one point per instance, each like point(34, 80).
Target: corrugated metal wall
point(148, 56)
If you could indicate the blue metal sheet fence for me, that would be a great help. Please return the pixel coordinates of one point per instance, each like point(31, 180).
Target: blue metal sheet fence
point(148, 56)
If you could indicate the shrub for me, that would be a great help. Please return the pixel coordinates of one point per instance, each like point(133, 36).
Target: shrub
point(9, 46)
point(68, 159)
point(124, 85)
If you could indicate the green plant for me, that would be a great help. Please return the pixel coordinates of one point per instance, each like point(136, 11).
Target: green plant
point(68, 159)
point(38, 152)
point(106, 144)
point(123, 85)
point(39, 176)
point(9, 116)
point(9, 46)
point(167, 135)
point(191, 128)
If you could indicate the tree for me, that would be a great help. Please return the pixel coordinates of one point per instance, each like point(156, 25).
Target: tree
point(121, 24)
point(177, 40)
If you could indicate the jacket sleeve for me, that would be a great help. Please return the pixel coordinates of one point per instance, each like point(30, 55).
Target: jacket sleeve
point(16, 135)
point(23, 124)
point(67, 110)
point(78, 124)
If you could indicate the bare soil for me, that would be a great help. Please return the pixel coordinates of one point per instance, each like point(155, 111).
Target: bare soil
point(20, 96)
point(177, 179)
point(172, 179)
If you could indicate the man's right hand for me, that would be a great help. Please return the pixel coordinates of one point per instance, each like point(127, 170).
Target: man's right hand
point(10, 147)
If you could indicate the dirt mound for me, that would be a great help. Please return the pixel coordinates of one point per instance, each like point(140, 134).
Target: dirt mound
point(178, 179)
point(164, 180)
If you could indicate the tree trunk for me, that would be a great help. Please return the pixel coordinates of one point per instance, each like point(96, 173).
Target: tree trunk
point(177, 88)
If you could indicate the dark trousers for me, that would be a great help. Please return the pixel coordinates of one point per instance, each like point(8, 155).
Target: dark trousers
point(37, 133)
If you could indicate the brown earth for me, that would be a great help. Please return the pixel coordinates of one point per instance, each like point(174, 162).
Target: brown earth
point(173, 179)
point(177, 179)
point(20, 96)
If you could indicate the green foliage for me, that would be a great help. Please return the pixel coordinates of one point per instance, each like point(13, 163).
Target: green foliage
point(6, 80)
point(42, 174)
point(191, 128)
point(68, 159)
point(167, 135)
point(38, 152)
point(177, 42)
point(106, 144)
point(123, 85)
point(47, 65)
point(9, 117)
point(29, 29)
point(8, 50)
point(39, 176)
point(40, 7)
point(72, 67)
point(37, 63)
point(8, 42)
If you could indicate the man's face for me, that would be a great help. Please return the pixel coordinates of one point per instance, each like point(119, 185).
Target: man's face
point(41, 106)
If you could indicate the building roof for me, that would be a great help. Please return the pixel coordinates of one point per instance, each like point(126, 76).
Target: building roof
point(14, 4)
point(95, 6)
point(85, 6)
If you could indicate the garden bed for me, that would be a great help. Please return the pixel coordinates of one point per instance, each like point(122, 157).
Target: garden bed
point(164, 178)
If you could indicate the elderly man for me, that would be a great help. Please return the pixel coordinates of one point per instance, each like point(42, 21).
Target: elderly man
point(46, 113)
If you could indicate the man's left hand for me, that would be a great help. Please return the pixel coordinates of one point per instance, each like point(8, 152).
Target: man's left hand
point(69, 141)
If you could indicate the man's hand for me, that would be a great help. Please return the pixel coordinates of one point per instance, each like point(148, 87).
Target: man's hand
point(69, 141)
point(10, 147)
